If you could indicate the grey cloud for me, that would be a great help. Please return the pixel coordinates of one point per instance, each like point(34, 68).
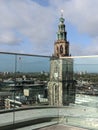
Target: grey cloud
point(38, 23)
point(84, 15)
point(28, 18)
point(79, 49)
point(81, 13)
point(9, 37)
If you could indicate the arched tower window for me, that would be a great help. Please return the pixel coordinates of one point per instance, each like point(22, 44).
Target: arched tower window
point(61, 49)
point(57, 48)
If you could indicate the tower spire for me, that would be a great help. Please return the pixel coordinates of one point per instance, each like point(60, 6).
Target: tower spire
point(61, 34)
point(61, 46)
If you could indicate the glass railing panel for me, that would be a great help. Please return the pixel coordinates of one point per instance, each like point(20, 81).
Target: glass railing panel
point(83, 112)
point(26, 80)
point(32, 75)
point(7, 79)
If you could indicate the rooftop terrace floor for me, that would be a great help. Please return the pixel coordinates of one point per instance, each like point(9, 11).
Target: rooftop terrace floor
point(61, 127)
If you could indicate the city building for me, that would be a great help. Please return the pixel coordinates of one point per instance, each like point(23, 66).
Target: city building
point(61, 87)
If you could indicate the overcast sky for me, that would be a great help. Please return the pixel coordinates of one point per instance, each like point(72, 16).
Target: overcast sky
point(30, 26)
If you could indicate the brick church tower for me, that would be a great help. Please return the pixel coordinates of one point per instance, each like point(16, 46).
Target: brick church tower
point(61, 88)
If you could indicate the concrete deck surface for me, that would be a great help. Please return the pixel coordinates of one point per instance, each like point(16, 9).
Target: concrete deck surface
point(61, 127)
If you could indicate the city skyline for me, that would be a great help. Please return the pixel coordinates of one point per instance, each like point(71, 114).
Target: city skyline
point(30, 26)
point(26, 63)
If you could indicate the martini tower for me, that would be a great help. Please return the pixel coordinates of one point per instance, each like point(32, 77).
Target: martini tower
point(61, 87)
